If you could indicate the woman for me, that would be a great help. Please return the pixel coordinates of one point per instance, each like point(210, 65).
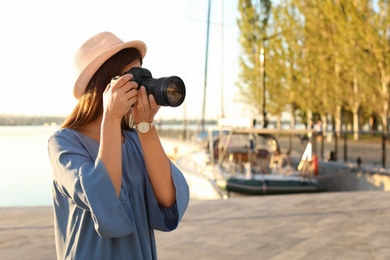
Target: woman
point(112, 183)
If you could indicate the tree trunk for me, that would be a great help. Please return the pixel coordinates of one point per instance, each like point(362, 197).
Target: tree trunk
point(292, 116)
point(385, 114)
point(338, 120)
point(356, 134)
point(324, 120)
point(310, 124)
point(355, 110)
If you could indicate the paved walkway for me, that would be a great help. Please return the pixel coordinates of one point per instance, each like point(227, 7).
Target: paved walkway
point(342, 225)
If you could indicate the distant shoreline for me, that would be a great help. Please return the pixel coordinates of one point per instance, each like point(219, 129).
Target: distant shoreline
point(25, 120)
point(35, 120)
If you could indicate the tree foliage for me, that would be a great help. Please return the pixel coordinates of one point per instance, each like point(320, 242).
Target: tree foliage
point(325, 58)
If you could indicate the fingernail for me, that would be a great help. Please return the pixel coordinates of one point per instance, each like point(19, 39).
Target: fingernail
point(115, 79)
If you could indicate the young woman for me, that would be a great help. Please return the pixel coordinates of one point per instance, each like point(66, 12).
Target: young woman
point(113, 184)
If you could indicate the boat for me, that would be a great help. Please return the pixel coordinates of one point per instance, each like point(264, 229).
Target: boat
point(270, 184)
point(248, 161)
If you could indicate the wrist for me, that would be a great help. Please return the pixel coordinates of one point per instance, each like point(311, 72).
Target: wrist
point(111, 120)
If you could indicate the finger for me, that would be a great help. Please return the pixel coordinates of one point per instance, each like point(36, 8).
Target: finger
point(119, 81)
point(114, 80)
point(153, 103)
point(128, 90)
point(131, 101)
point(131, 85)
point(124, 91)
point(144, 97)
point(139, 104)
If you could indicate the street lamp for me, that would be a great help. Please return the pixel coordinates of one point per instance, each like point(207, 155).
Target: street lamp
point(262, 73)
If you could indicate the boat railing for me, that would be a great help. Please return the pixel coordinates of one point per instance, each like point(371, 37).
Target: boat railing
point(249, 155)
point(370, 151)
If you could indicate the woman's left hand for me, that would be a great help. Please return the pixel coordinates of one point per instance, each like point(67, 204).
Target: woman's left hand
point(145, 108)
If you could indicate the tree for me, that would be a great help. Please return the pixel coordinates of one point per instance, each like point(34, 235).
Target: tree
point(252, 25)
point(330, 58)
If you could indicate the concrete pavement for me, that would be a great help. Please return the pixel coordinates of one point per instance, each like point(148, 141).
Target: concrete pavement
point(339, 225)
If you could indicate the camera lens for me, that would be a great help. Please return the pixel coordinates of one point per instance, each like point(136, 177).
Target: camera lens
point(175, 92)
point(167, 91)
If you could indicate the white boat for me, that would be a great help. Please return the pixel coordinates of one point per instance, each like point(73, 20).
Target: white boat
point(246, 161)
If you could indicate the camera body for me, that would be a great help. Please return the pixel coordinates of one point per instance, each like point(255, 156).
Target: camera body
point(167, 91)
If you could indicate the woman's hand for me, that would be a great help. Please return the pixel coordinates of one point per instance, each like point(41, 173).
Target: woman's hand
point(119, 96)
point(157, 163)
point(145, 108)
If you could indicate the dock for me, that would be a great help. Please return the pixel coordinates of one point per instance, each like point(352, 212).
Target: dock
point(332, 225)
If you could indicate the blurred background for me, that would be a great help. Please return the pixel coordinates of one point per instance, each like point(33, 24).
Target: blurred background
point(286, 64)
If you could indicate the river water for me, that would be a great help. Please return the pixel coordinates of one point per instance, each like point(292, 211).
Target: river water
point(25, 172)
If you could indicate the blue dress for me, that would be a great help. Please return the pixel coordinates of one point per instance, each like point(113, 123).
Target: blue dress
point(90, 220)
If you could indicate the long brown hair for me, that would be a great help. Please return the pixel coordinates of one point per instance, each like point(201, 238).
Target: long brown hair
point(90, 105)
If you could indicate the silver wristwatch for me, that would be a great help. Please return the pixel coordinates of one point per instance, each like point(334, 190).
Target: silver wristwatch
point(144, 127)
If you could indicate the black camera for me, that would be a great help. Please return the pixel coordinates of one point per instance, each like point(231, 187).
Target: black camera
point(167, 91)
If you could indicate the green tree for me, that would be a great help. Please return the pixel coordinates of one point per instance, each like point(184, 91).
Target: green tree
point(252, 24)
point(324, 59)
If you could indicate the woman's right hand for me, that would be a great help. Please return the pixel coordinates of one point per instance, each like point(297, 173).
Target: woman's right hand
point(119, 96)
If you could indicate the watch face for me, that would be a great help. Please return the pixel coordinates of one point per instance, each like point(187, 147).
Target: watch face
point(143, 127)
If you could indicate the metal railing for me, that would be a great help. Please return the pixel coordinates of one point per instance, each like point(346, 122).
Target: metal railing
point(371, 148)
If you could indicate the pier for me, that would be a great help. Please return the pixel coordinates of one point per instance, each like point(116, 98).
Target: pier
point(333, 225)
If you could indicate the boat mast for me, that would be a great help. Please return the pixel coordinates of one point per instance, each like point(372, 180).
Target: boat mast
point(222, 101)
point(205, 67)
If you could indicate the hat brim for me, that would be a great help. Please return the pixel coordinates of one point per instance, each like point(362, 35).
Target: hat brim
point(87, 73)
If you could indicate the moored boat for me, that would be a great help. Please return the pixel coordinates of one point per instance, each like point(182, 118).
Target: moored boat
point(248, 161)
point(270, 184)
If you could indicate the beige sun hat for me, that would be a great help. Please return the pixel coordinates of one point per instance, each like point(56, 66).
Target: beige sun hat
point(94, 52)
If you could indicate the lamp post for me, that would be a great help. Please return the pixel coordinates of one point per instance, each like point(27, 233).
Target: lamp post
point(262, 74)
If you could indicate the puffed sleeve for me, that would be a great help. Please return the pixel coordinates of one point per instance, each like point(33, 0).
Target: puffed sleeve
point(85, 181)
point(167, 219)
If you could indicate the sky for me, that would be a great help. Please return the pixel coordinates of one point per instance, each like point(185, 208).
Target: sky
point(40, 39)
